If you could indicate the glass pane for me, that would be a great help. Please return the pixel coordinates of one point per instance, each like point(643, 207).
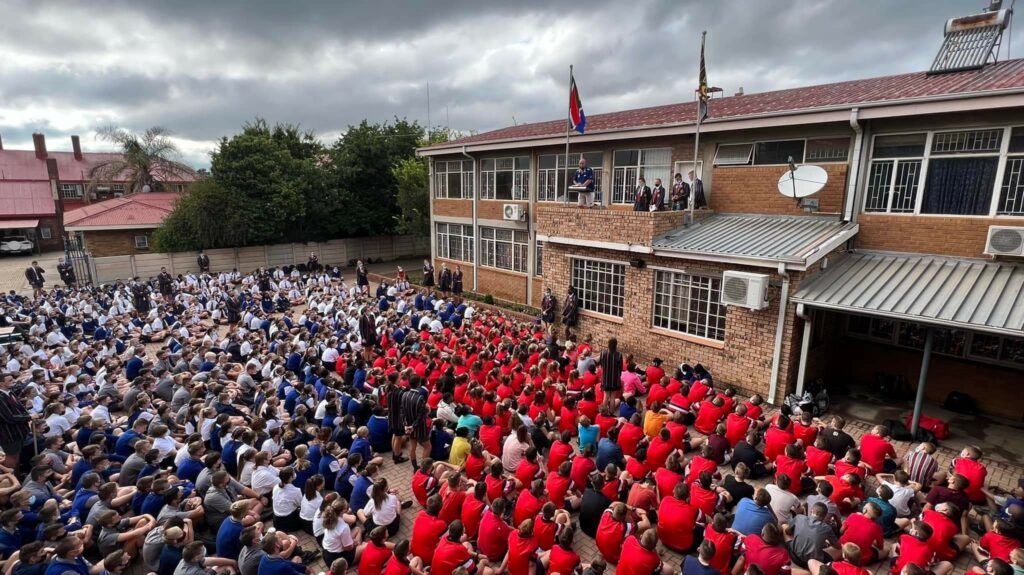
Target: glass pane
point(901, 146)
point(1011, 192)
point(1012, 351)
point(594, 159)
point(546, 162)
point(779, 152)
point(1017, 140)
point(904, 193)
point(911, 335)
point(960, 186)
point(831, 150)
point(656, 157)
point(985, 346)
point(487, 165)
point(522, 163)
point(882, 328)
point(858, 324)
point(733, 154)
point(967, 142)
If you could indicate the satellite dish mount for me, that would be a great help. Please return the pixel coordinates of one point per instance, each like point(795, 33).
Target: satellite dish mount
point(801, 182)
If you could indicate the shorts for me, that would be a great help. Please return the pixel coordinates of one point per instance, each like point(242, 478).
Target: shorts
point(400, 432)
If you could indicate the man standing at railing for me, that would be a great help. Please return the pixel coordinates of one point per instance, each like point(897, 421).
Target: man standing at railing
point(584, 177)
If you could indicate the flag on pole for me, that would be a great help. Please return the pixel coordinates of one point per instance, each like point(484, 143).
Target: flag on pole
point(577, 119)
point(702, 89)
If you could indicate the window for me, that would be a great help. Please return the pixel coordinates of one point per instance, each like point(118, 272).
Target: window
point(600, 286)
point(733, 154)
point(141, 242)
point(631, 165)
point(960, 182)
point(892, 183)
point(538, 260)
point(455, 242)
point(45, 232)
point(1011, 191)
point(71, 190)
point(453, 180)
point(831, 150)
point(180, 188)
point(779, 152)
point(505, 178)
point(504, 249)
point(689, 304)
point(118, 190)
point(986, 348)
point(552, 175)
point(977, 141)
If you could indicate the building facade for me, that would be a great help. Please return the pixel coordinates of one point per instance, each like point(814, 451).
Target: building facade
point(920, 168)
point(120, 226)
point(38, 187)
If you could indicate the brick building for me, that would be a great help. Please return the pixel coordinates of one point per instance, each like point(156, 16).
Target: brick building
point(120, 226)
point(887, 270)
point(38, 187)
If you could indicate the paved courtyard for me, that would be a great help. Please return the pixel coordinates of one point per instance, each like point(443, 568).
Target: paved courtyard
point(12, 271)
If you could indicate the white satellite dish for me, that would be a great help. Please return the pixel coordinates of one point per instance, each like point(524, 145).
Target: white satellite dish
point(802, 182)
point(146, 189)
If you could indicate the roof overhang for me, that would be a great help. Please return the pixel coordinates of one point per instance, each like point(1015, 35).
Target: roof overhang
point(992, 100)
point(18, 224)
point(88, 228)
point(959, 293)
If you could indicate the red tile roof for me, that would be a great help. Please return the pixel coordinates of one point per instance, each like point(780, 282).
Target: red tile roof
point(21, 198)
point(142, 210)
point(887, 89)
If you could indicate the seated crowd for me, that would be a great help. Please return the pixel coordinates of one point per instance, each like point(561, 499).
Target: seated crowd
point(200, 427)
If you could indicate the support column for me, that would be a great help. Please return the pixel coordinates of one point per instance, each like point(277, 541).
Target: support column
point(805, 345)
point(926, 360)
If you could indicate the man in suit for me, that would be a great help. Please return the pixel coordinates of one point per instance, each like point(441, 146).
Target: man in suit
point(203, 261)
point(658, 196)
point(14, 421)
point(643, 197)
point(34, 275)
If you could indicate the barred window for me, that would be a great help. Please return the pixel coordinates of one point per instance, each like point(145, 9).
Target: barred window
point(453, 180)
point(538, 260)
point(600, 286)
point(455, 242)
point(895, 174)
point(553, 173)
point(631, 165)
point(1011, 191)
point(830, 150)
point(504, 249)
point(505, 178)
point(689, 304)
point(71, 190)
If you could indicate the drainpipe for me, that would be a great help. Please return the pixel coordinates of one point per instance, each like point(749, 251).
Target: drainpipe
point(779, 329)
point(805, 344)
point(850, 195)
point(476, 255)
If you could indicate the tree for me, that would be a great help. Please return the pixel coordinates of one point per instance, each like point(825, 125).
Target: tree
point(148, 159)
point(207, 216)
point(412, 175)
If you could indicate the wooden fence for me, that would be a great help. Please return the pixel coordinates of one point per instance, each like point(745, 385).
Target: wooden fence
point(333, 252)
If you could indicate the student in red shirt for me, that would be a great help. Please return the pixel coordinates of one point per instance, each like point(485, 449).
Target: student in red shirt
point(678, 520)
point(777, 438)
point(425, 482)
point(473, 510)
point(707, 496)
point(561, 451)
point(492, 537)
point(725, 542)
point(969, 465)
point(913, 549)
point(736, 425)
point(402, 563)
point(582, 466)
point(631, 434)
point(877, 452)
point(659, 450)
point(498, 486)
point(818, 457)
point(767, 550)
point(615, 527)
point(530, 502)
point(701, 463)
point(643, 556)
point(996, 544)
point(562, 558)
point(850, 565)
point(453, 494)
point(523, 549)
point(791, 463)
point(708, 415)
point(375, 552)
point(452, 554)
point(549, 524)
point(947, 541)
point(562, 490)
point(478, 461)
point(427, 530)
point(529, 467)
point(754, 410)
point(864, 531)
point(847, 492)
point(851, 463)
point(805, 430)
point(669, 476)
point(490, 436)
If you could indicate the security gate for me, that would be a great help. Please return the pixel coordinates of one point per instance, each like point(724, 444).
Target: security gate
point(75, 254)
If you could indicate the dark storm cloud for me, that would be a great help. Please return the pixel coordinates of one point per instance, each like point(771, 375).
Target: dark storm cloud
point(203, 68)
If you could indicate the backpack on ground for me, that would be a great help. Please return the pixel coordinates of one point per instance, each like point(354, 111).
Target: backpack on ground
point(959, 402)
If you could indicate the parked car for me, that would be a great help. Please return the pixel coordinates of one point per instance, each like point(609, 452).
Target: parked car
point(16, 245)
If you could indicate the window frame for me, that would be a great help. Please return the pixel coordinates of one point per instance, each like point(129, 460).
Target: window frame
point(538, 258)
point(639, 170)
point(615, 302)
point(79, 191)
point(520, 191)
point(544, 173)
point(518, 251)
point(45, 233)
point(1003, 155)
point(444, 238)
point(144, 245)
point(439, 179)
point(703, 330)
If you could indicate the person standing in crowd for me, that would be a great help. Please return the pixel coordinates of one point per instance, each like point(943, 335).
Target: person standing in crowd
point(14, 423)
point(658, 196)
point(642, 199)
point(444, 282)
point(680, 193)
point(203, 261)
point(166, 283)
point(35, 277)
point(547, 307)
point(457, 281)
point(569, 310)
point(66, 272)
point(611, 373)
point(428, 274)
point(362, 277)
point(313, 264)
point(584, 177)
point(697, 191)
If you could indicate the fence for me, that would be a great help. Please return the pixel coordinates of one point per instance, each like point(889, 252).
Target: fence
point(333, 252)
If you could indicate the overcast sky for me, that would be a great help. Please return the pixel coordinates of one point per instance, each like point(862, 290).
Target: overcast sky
point(201, 68)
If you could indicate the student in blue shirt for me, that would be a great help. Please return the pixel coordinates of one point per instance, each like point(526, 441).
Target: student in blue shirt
point(190, 468)
point(440, 441)
point(380, 430)
point(587, 432)
point(86, 496)
point(361, 445)
point(361, 488)
point(273, 564)
point(229, 534)
point(468, 420)
point(753, 514)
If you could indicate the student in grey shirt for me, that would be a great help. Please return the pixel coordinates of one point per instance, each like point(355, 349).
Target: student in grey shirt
point(252, 551)
point(132, 466)
point(811, 536)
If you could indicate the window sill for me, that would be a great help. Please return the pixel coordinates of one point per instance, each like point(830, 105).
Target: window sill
point(502, 200)
point(503, 270)
point(600, 316)
point(714, 343)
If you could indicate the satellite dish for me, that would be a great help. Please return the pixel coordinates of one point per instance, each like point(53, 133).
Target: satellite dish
point(802, 182)
point(146, 189)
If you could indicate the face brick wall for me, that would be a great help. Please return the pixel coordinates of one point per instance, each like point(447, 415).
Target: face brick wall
point(502, 284)
point(493, 209)
point(754, 190)
point(457, 208)
point(952, 236)
point(606, 225)
point(115, 242)
point(743, 360)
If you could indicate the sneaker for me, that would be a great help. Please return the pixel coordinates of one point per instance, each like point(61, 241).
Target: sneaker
point(406, 504)
point(400, 459)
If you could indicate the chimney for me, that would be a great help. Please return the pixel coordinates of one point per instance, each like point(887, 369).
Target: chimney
point(739, 92)
point(40, 144)
point(1, 144)
point(76, 145)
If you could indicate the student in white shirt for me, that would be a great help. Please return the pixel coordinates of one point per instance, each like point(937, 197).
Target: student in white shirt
point(383, 509)
point(312, 499)
point(287, 501)
point(264, 476)
point(337, 540)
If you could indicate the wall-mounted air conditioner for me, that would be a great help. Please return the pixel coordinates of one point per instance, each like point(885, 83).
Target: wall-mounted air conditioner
point(745, 289)
point(1005, 241)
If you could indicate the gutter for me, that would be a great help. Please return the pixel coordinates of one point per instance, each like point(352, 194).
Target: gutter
point(476, 256)
point(710, 125)
point(853, 173)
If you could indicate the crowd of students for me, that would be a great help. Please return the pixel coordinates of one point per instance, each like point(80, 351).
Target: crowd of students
point(199, 426)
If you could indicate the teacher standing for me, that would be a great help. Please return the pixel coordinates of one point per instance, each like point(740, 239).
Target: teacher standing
point(611, 373)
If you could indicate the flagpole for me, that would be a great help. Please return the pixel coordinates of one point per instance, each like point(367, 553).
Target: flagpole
point(568, 125)
point(696, 139)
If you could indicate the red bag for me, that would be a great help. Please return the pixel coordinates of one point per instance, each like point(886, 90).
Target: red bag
point(933, 424)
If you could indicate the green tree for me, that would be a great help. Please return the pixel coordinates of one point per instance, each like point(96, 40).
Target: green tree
point(208, 216)
point(147, 159)
point(412, 175)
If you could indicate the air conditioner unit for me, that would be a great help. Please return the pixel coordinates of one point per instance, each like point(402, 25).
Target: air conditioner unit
point(745, 289)
point(514, 212)
point(1005, 241)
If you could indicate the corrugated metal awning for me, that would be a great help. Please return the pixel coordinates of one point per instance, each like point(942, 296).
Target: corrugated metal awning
point(952, 292)
point(18, 224)
point(789, 239)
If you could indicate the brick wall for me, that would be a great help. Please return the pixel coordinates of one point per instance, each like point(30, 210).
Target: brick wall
point(743, 359)
point(457, 208)
point(606, 225)
point(944, 235)
point(493, 209)
point(115, 242)
point(506, 285)
point(754, 190)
